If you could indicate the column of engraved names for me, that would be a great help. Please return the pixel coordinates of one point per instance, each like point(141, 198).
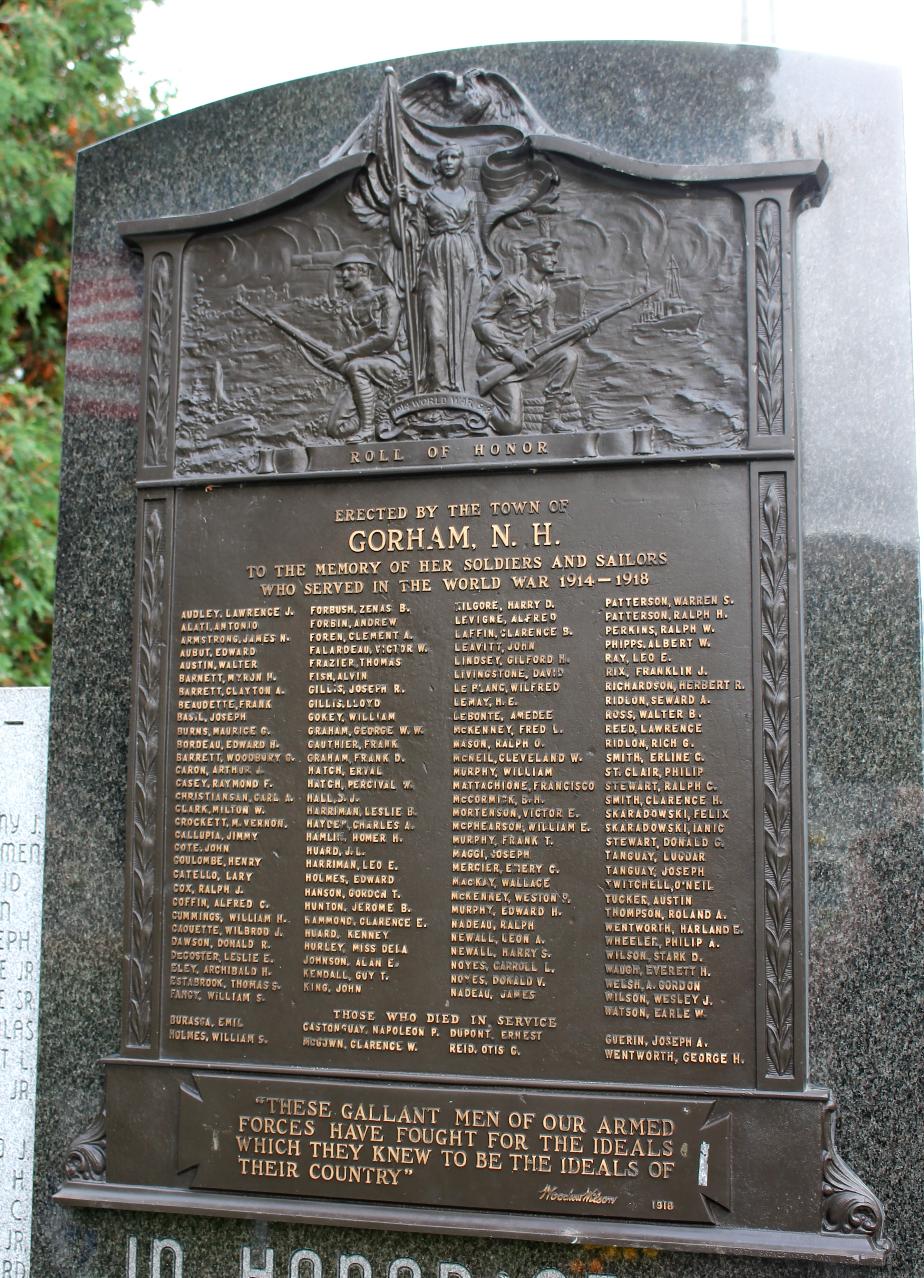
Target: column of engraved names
point(225, 822)
point(509, 771)
point(666, 918)
point(360, 809)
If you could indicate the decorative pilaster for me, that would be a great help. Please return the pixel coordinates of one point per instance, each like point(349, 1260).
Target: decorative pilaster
point(146, 747)
point(777, 774)
point(159, 360)
point(768, 264)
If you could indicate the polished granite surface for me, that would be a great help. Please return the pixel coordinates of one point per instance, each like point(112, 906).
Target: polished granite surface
point(673, 103)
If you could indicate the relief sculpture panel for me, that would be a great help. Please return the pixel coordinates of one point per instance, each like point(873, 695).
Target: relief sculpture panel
point(468, 278)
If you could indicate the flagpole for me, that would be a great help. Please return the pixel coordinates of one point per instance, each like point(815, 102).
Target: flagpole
point(396, 157)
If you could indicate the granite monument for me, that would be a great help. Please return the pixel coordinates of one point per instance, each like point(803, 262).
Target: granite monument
point(471, 388)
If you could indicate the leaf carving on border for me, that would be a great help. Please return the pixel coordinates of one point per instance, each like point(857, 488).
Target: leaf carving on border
point(848, 1207)
point(144, 797)
point(777, 765)
point(768, 262)
point(158, 373)
point(86, 1157)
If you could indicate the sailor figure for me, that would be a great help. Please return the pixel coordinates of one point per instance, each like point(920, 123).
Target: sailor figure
point(518, 312)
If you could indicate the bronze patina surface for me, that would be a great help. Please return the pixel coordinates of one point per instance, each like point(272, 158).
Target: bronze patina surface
point(466, 873)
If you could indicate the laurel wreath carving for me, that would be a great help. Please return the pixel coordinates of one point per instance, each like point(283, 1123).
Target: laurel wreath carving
point(768, 261)
point(848, 1207)
point(144, 798)
point(86, 1157)
point(774, 618)
point(158, 376)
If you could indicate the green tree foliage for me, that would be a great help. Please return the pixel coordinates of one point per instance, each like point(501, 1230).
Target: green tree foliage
point(61, 88)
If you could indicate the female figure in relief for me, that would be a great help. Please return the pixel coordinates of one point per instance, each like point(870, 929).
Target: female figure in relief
point(451, 277)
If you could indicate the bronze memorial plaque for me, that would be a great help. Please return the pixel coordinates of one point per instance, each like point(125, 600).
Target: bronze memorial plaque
point(465, 875)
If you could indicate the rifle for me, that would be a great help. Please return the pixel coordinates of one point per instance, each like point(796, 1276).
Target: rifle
point(562, 337)
point(319, 350)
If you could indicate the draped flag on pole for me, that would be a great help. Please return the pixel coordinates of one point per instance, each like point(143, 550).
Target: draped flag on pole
point(410, 125)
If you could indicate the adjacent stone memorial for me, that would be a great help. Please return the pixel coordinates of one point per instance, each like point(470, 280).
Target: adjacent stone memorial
point(465, 865)
point(23, 760)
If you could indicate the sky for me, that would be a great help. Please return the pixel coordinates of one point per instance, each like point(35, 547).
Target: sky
point(210, 49)
point(204, 50)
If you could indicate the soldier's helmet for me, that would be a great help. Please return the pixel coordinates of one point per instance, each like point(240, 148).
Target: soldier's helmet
point(354, 257)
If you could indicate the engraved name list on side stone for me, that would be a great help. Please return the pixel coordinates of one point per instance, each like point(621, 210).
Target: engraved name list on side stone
point(23, 757)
